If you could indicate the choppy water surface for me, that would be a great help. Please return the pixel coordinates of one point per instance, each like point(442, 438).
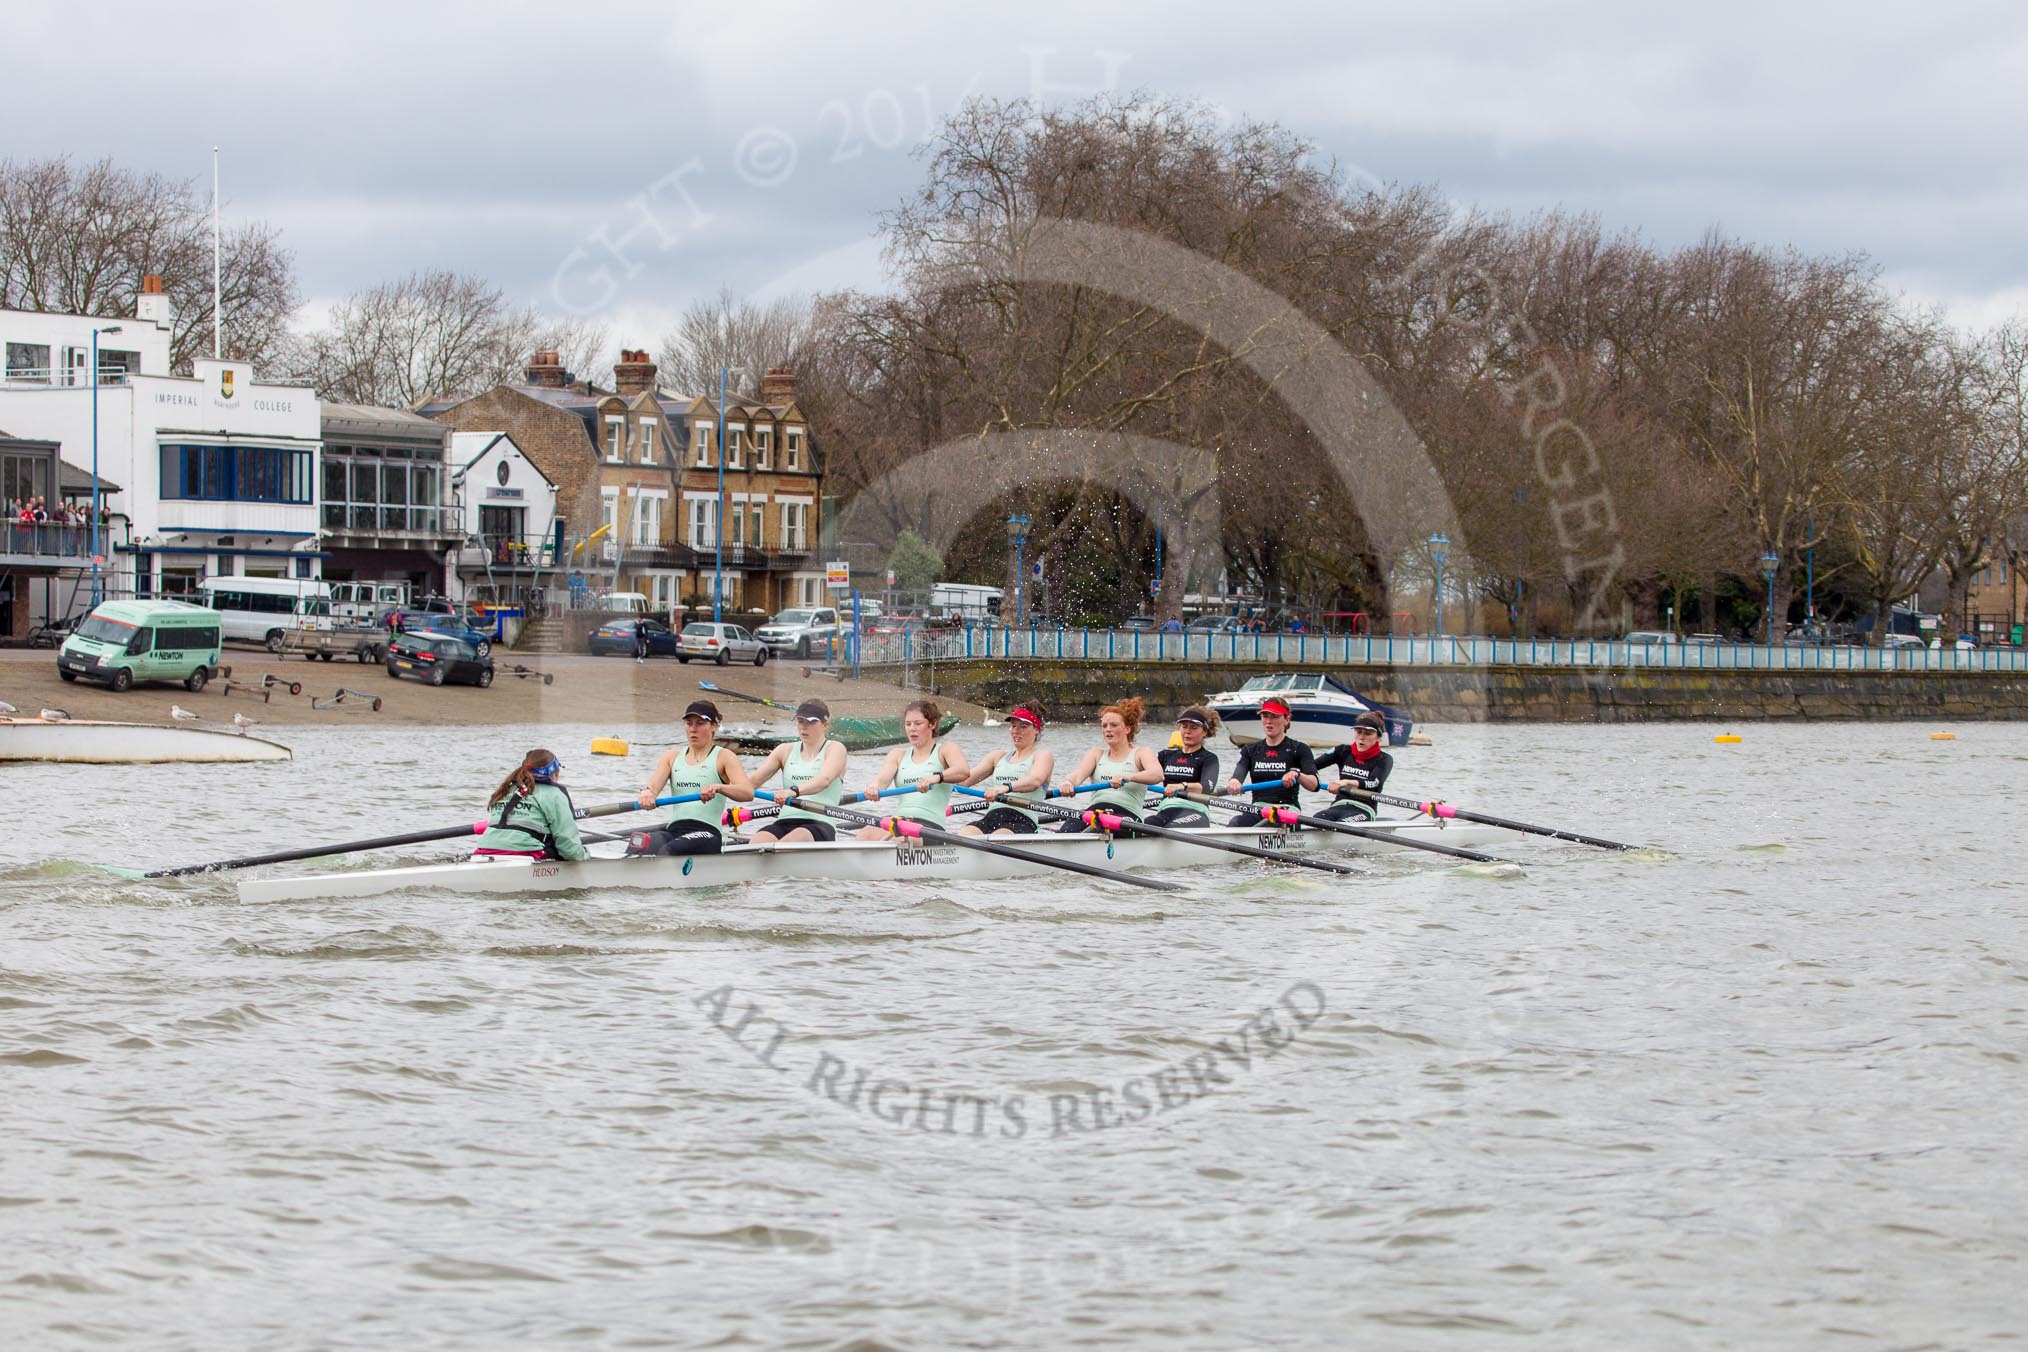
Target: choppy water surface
point(1765, 1092)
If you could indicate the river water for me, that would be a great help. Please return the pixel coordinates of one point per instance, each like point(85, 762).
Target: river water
point(1766, 1091)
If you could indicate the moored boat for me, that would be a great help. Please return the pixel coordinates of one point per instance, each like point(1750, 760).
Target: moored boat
point(847, 861)
point(95, 742)
point(1322, 706)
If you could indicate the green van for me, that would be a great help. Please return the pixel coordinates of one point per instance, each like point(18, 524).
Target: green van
point(122, 642)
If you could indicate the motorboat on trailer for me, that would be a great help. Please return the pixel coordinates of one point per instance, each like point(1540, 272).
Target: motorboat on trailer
point(1322, 709)
point(881, 861)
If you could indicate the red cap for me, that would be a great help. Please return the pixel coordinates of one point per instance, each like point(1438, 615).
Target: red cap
point(1028, 716)
point(1274, 705)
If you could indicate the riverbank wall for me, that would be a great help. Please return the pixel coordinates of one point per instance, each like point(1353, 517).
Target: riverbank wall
point(1077, 690)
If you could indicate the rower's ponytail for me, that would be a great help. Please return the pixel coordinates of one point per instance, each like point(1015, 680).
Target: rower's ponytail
point(521, 779)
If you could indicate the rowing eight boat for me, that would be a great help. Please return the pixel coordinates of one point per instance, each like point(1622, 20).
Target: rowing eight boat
point(847, 861)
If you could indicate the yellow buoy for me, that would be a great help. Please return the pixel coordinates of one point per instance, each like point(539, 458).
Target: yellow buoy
point(1728, 737)
point(608, 746)
point(1943, 736)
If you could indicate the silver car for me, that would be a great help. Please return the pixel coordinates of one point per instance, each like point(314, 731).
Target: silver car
point(720, 643)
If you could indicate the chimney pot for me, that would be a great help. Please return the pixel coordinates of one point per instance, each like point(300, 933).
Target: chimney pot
point(633, 373)
point(151, 285)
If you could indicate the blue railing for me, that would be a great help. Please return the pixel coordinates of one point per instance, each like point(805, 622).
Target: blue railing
point(999, 643)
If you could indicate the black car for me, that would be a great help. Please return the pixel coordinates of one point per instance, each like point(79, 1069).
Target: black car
point(438, 658)
point(617, 636)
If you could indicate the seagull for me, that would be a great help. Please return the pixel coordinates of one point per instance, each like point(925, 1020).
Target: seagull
point(53, 715)
point(242, 721)
point(178, 711)
point(6, 708)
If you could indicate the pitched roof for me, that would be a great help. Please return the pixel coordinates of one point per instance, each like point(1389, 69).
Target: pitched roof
point(72, 479)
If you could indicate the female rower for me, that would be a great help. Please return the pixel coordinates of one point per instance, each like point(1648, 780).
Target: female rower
point(1125, 768)
point(1021, 768)
point(927, 766)
point(1185, 768)
point(529, 816)
point(1274, 756)
point(1363, 768)
point(813, 769)
point(699, 767)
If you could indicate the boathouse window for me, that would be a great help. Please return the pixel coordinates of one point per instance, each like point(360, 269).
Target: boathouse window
point(237, 474)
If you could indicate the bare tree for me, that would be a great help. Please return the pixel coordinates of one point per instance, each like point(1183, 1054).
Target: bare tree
point(77, 239)
point(434, 334)
point(740, 336)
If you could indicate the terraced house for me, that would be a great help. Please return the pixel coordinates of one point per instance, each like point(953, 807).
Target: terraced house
point(638, 492)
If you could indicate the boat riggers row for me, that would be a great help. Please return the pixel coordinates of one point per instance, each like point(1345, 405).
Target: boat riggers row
point(1144, 811)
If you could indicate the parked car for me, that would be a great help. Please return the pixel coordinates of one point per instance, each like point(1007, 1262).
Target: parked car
point(1909, 641)
point(617, 637)
point(1216, 624)
point(720, 643)
point(901, 621)
point(1704, 640)
point(1651, 636)
point(1964, 643)
point(412, 621)
point(438, 658)
point(800, 631)
point(1146, 622)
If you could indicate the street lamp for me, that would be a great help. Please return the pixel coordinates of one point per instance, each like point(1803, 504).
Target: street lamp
point(1017, 526)
point(1437, 544)
point(1770, 563)
point(1810, 582)
point(110, 328)
point(718, 515)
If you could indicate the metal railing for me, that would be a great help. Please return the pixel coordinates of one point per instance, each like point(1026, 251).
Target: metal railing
point(49, 540)
point(63, 376)
point(1005, 643)
point(366, 517)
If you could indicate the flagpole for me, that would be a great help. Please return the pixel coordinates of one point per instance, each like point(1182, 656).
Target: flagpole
point(217, 315)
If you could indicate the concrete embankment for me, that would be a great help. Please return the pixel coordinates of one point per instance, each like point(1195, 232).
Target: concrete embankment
point(1513, 694)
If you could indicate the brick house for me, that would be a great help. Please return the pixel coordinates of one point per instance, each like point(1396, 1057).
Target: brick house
point(636, 470)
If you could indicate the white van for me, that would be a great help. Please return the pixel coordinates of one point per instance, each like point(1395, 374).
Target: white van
point(623, 603)
point(359, 602)
point(965, 601)
point(262, 609)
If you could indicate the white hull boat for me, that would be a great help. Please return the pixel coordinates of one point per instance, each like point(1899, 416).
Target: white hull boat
point(851, 861)
point(93, 742)
point(1321, 709)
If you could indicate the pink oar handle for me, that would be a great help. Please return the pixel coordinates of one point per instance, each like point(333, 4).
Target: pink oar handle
point(1439, 810)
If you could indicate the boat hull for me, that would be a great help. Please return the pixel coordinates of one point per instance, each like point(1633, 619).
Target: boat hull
point(845, 861)
point(91, 742)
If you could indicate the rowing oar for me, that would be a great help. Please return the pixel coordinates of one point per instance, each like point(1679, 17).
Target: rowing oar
point(383, 842)
point(739, 815)
point(757, 699)
point(1132, 826)
point(1288, 816)
point(1438, 809)
point(902, 826)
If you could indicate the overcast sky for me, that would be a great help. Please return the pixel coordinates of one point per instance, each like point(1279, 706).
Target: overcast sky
point(511, 139)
